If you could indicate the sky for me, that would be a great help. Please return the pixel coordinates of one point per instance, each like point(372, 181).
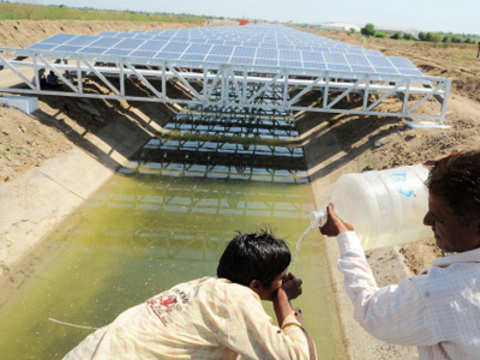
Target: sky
point(460, 16)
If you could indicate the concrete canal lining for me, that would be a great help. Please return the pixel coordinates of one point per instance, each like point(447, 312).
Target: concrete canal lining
point(32, 205)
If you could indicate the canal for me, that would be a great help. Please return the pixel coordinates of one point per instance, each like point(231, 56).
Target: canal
point(163, 222)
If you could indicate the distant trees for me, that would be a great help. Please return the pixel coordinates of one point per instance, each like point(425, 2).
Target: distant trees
point(368, 30)
point(396, 36)
point(435, 37)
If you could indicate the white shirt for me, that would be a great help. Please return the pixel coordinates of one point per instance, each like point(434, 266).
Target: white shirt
point(438, 310)
point(207, 318)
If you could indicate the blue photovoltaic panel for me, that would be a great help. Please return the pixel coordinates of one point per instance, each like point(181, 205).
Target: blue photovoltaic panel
point(401, 62)
point(270, 62)
point(168, 55)
point(310, 56)
point(217, 58)
point(92, 50)
point(290, 63)
point(244, 51)
point(314, 65)
point(378, 61)
point(124, 35)
point(59, 38)
point(193, 57)
point(286, 47)
point(216, 42)
point(338, 67)
point(176, 47)
point(42, 46)
point(81, 40)
point(105, 42)
point(153, 45)
point(386, 70)
point(334, 58)
point(303, 48)
point(143, 53)
point(222, 50)
point(118, 52)
point(129, 44)
point(262, 45)
point(68, 48)
point(357, 60)
point(198, 49)
point(267, 53)
point(241, 60)
point(289, 55)
point(361, 68)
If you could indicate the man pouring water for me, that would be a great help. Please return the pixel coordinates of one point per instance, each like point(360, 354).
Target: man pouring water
point(439, 310)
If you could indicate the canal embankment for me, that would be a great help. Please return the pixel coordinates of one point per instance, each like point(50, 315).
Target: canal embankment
point(34, 203)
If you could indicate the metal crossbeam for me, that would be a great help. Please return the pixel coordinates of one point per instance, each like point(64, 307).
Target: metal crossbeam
point(226, 85)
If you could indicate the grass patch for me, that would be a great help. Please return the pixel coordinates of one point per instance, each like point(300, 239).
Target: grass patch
point(18, 11)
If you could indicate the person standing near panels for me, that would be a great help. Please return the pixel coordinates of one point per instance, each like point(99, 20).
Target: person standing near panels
point(214, 317)
point(439, 310)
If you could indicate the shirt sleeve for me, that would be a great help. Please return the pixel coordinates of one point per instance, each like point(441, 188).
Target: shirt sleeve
point(396, 313)
point(246, 329)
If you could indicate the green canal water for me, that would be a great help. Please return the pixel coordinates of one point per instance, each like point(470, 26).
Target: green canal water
point(141, 234)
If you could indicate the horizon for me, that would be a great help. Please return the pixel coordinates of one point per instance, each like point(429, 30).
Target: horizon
point(425, 16)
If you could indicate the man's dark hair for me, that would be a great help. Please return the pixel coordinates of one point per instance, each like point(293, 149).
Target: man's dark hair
point(254, 256)
point(456, 178)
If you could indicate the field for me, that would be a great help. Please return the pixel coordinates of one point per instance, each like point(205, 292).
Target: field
point(34, 12)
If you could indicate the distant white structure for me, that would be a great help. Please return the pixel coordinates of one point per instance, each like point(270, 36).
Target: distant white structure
point(340, 26)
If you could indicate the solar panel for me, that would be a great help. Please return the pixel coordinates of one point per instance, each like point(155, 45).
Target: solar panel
point(244, 51)
point(222, 50)
point(129, 44)
point(262, 45)
point(105, 42)
point(81, 40)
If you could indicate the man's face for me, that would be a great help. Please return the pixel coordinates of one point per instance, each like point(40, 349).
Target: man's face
point(450, 234)
point(267, 292)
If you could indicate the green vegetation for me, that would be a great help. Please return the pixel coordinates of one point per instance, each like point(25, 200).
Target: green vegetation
point(431, 37)
point(17, 11)
point(368, 30)
point(396, 36)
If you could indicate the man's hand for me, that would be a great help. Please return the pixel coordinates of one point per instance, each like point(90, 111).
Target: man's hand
point(334, 225)
point(292, 286)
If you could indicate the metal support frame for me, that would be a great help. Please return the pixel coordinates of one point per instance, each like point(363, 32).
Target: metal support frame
point(226, 85)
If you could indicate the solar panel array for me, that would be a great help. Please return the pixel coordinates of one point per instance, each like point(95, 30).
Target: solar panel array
point(256, 45)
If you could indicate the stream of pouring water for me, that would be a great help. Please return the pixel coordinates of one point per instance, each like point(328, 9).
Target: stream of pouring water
point(318, 219)
point(299, 245)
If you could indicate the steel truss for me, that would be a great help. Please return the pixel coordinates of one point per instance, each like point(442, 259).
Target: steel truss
point(225, 85)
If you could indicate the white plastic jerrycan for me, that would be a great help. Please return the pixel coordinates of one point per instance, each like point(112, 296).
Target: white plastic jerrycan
point(386, 207)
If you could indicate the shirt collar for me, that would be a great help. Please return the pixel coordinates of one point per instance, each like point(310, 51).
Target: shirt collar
point(461, 257)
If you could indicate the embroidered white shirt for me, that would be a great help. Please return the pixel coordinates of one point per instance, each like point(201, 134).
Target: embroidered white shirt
point(438, 310)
